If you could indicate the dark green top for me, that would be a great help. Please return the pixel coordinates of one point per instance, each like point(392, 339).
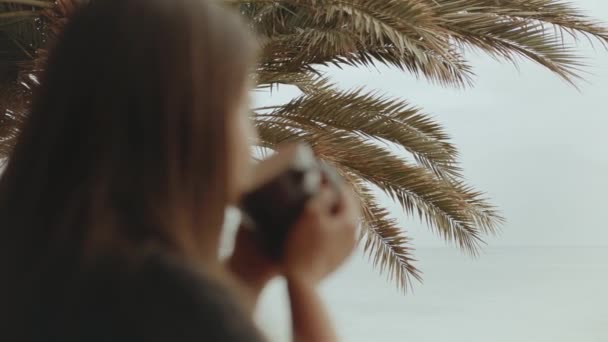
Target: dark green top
point(153, 300)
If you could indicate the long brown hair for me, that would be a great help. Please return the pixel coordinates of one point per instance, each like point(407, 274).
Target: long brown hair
point(127, 138)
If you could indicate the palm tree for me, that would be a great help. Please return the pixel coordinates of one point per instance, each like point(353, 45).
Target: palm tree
point(356, 130)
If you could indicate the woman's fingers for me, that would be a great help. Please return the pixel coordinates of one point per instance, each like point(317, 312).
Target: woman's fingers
point(352, 205)
point(348, 217)
point(323, 202)
point(325, 234)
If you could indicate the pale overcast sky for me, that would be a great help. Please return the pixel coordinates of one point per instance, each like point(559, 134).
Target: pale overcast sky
point(535, 144)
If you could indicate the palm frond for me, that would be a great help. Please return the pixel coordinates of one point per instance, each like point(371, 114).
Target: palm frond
point(306, 82)
point(558, 14)
point(273, 134)
point(374, 117)
point(508, 40)
point(386, 244)
point(310, 48)
point(530, 29)
point(448, 208)
point(301, 34)
point(435, 201)
point(422, 37)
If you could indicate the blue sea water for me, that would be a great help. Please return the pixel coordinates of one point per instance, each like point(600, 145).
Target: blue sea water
point(523, 294)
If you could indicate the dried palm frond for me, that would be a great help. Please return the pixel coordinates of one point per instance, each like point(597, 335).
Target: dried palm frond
point(375, 117)
point(306, 82)
point(385, 242)
point(397, 33)
point(423, 37)
point(557, 14)
point(454, 211)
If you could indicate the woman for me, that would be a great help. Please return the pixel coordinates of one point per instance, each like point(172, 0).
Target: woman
point(113, 200)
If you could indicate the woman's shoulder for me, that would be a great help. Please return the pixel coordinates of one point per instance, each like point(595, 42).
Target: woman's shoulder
point(154, 298)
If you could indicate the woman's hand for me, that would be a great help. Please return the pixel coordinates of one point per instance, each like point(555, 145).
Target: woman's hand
point(323, 237)
point(321, 240)
point(250, 265)
point(318, 243)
